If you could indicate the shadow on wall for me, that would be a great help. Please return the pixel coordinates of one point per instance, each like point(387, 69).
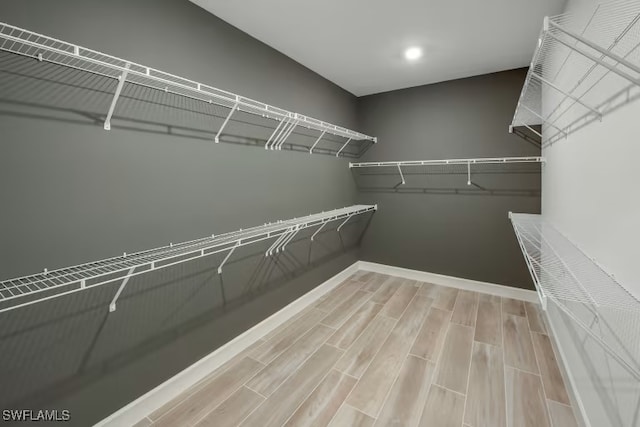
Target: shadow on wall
point(48, 91)
point(57, 348)
point(607, 388)
point(567, 117)
point(521, 179)
point(528, 135)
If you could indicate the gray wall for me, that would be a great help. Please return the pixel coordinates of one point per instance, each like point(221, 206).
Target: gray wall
point(435, 222)
point(72, 192)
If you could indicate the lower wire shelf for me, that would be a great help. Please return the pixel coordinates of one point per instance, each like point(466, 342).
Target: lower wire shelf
point(581, 289)
point(23, 291)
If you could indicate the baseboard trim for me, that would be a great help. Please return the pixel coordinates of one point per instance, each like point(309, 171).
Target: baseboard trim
point(165, 392)
point(569, 380)
point(451, 281)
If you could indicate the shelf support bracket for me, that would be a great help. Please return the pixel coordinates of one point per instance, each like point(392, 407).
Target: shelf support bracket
point(276, 243)
point(568, 95)
point(112, 306)
point(317, 140)
point(317, 231)
point(345, 144)
point(288, 240)
point(544, 120)
point(116, 95)
point(280, 133)
point(280, 122)
point(284, 138)
point(227, 257)
point(532, 130)
point(343, 223)
point(224, 124)
point(401, 175)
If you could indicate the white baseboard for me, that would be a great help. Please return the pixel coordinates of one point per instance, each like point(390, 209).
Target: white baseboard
point(569, 380)
point(165, 392)
point(450, 281)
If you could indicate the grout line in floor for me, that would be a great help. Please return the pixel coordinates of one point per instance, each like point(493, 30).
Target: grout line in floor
point(535, 356)
point(466, 398)
point(504, 365)
point(378, 351)
point(255, 391)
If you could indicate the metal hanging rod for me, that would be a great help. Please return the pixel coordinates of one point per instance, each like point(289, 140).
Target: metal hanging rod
point(578, 286)
point(24, 291)
point(575, 53)
point(44, 48)
point(484, 160)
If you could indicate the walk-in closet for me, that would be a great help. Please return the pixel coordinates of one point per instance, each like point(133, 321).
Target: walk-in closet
point(279, 213)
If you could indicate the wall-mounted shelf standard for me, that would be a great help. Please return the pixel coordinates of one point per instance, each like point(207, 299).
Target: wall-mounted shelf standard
point(32, 289)
point(43, 48)
point(579, 287)
point(446, 162)
point(584, 65)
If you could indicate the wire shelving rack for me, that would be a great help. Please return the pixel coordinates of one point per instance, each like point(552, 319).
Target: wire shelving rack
point(23, 291)
point(579, 287)
point(124, 73)
point(448, 162)
point(602, 47)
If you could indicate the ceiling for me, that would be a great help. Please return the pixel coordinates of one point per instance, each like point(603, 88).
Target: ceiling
point(359, 44)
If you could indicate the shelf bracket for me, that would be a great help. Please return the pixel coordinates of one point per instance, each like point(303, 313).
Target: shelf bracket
point(401, 175)
point(317, 140)
point(116, 95)
point(343, 223)
point(568, 95)
point(224, 124)
point(227, 257)
point(286, 135)
point(544, 120)
point(276, 243)
point(112, 306)
point(317, 231)
point(286, 122)
point(340, 150)
point(280, 122)
point(288, 240)
point(532, 130)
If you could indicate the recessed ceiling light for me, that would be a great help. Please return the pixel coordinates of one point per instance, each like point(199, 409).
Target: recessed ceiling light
point(413, 53)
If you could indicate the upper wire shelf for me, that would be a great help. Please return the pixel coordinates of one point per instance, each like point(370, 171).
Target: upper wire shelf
point(579, 287)
point(446, 162)
point(124, 73)
point(585, 64)
point(23, 291)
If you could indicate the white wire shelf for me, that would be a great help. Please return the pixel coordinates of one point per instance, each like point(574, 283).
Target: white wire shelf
point(449, 162)
point(23, 291)
point(43, 48)
point(578, 286)
point(584, 65)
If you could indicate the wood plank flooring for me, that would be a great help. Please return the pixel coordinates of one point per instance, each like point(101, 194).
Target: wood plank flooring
point(385, 351)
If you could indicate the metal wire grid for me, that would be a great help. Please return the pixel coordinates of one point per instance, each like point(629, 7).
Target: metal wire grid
point(601, 46)
point(23, 42)
point(581, 289)
point(97, 273)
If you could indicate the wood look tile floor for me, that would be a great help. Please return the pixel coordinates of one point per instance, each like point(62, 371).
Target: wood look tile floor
point(384, 351)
